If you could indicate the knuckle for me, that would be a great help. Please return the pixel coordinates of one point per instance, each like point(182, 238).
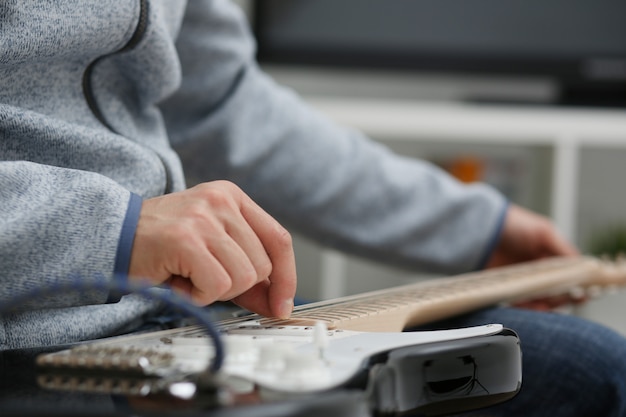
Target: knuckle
point(219, 243)
point(227, 185)
point(195, 211)
point(283, 237)
point(222, 285)
point(248, 278)
point(264, 269)
point(219, 187)
point(216, 196)
point(202, 298)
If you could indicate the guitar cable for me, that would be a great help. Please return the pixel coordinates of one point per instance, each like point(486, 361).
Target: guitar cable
point(120, 284)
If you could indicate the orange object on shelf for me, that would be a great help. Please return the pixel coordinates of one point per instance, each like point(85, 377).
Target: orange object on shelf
point(466, 168)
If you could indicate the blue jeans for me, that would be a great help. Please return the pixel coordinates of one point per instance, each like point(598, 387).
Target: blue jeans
point(570, 366)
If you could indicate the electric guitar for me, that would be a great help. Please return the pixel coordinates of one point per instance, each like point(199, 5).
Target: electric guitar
point(329, 344)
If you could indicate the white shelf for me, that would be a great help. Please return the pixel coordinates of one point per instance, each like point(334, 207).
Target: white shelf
point(412, 120)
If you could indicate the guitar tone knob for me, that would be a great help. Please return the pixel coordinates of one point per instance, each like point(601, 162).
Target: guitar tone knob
point(240, 350)
point(272, 357)
point(300, 367)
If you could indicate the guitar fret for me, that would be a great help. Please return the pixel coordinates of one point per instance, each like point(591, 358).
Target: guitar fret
point(333, 314)
point(359, 311)
point(317, 316)
point(382, 304)
point(358, 308)
point(272, 322)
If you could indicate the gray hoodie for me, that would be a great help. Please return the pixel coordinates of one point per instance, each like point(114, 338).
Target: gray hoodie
point(102, 103)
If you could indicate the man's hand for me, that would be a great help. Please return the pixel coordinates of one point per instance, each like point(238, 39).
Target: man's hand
point(213, 243)
point(527, 236)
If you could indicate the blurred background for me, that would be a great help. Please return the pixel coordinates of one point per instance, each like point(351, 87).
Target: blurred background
point(529, 96)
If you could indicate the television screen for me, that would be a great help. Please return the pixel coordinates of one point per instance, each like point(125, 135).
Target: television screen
point(581, 44)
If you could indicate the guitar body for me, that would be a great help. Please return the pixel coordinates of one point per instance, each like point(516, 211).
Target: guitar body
point(361, 346)
point(433, 372)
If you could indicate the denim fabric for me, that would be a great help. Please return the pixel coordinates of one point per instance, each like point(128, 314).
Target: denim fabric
point(571, 367)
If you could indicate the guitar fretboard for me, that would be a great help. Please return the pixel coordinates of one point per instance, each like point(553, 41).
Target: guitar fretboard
point(397, 308)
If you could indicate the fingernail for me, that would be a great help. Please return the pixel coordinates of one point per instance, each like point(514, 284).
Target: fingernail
point(286, 308)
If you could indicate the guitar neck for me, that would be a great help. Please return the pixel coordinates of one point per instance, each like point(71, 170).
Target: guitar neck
point(394, 309)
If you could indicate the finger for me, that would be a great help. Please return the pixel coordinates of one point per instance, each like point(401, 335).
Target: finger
point(559, 246)
point(252, 248)
point(256, 299)
point(236, 263)
point(180, 285)
point(551, 302)
point(208, 278)
point(277, 243)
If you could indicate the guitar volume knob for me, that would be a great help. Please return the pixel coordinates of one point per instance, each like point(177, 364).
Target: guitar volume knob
point(240, 350)
point(272, 357)
point(304, 367)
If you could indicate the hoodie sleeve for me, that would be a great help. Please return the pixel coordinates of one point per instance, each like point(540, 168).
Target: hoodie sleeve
point(59, 225)
point(231, 121)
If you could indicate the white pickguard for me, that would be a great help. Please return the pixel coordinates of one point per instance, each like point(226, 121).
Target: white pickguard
point(282, 359)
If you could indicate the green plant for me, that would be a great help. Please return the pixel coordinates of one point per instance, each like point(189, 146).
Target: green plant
point(610, 241)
